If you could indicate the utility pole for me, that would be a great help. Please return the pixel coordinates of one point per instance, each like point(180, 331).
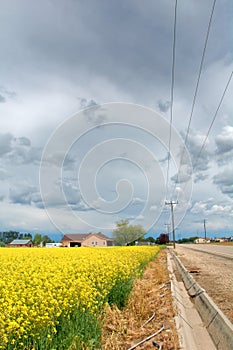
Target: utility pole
point(171, 203)
point(205, 230)
point(168, 230)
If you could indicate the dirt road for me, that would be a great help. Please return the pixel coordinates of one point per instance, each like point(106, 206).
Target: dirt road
point(214, 273)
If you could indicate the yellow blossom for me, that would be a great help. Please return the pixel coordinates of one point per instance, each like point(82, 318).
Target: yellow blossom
point(39, 285)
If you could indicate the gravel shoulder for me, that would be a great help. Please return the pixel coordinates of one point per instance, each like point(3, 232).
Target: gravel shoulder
point(213, 273)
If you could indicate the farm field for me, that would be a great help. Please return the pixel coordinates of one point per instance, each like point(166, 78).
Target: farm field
point(213, 272)
point(55, 298)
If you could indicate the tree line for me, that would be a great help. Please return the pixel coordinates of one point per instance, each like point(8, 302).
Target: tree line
point(7, 237)
point(124, 234)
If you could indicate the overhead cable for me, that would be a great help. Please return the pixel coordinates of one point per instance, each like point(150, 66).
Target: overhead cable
point(172, 96)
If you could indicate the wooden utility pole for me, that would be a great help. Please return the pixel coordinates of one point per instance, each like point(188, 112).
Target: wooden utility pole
point(171, 203)
point(205, 230)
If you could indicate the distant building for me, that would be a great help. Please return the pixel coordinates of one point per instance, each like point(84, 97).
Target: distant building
point(222, 239)
point(202, 240)
point(143, 243)
point(86, 240)
point(20, 243)
point(53, 245)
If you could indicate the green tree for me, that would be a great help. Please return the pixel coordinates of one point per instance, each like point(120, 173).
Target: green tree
point(150, 239)
point(125, 233)
point(25, 236)
point(187, 240)
point(46, 239)
point(9, 236)
point(37, 239)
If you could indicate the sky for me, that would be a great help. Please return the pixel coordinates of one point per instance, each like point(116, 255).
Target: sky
point(87, 121)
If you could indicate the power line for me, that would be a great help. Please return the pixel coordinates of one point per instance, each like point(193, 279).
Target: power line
point(196, 90)
point(172, 95)
point(213, 120)
point(210, 127)
point(200, 71)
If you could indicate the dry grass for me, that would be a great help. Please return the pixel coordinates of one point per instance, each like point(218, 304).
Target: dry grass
point(151, 296)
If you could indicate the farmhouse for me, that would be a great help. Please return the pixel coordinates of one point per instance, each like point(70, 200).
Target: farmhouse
point(86, 240)
point(202, 240)
point(20, 243)
point(223, 239)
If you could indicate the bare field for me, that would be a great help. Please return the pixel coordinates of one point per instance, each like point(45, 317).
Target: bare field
point(213, 273)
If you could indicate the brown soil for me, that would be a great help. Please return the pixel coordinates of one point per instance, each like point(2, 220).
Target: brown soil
point(151, 298)
point(214, 274)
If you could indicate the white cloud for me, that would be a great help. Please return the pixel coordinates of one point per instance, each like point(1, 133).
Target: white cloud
point(137, 201)
point(153, 208)
point(198, 207)
point(208, 207)
point(219, 209)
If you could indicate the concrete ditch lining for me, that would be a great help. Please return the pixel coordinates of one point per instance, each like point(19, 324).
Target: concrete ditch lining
point(191, 331)
point(216, 323)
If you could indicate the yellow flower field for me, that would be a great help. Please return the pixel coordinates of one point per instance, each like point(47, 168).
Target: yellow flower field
point(39, 286)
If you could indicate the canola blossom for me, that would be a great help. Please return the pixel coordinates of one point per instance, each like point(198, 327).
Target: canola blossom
point(38, 286)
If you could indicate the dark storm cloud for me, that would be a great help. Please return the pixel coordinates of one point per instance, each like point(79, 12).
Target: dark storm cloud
point(181, 178)
point(200, 160)
point(5, 143)
point(4, 174)
point(58, 158)
point(92, 111)
point(2, 99)
point(128, 43)
point(18, 150)
point(224, 143)
point(65, 194)
point(21, 155)
point(7, 93)
point(24, 141)
point(53, 51)
point(25, 194)
point(224, 181)
point(200, 177)
point(164, 105)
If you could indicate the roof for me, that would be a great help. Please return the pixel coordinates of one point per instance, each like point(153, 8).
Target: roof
point(78, 237)
point(20, 241)
point(102, 236)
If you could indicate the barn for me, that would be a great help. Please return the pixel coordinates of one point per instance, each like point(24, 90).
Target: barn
point(86, 240)
point(20, 243)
